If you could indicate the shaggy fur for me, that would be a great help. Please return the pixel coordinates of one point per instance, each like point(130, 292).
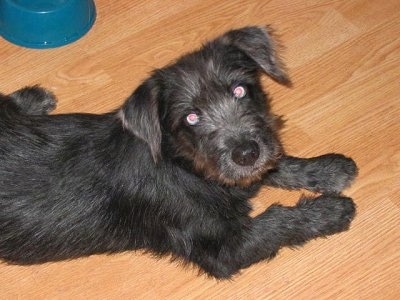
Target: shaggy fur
point(171, 171)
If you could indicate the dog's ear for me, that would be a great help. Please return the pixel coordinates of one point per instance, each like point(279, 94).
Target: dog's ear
point(258, 44)
point(139, 115)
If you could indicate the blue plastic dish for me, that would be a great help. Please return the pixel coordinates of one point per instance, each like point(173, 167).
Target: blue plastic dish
point(45, 23)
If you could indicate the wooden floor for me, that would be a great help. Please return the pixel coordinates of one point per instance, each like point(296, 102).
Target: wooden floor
point(344, 60)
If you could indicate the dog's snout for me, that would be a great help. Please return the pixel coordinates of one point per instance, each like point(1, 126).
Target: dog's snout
point(246, 154)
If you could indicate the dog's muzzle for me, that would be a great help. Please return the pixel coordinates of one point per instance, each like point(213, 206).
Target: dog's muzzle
point(246, 154)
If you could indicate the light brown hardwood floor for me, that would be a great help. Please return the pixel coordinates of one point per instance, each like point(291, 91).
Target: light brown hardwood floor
point(344, 61)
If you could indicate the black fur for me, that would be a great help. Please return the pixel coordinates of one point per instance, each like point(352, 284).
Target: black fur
point(147, 176)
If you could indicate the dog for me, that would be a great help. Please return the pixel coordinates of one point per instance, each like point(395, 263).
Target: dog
point(171, 171)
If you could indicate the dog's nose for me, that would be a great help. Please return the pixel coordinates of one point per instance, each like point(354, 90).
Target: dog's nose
point(246, 154)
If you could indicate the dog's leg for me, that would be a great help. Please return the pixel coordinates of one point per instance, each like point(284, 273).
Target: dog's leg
point(277, 227)
point(31, 100)
point(282, 226)
point(330, 173)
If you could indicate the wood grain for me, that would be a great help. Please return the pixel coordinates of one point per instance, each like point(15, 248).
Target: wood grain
point(344, 60)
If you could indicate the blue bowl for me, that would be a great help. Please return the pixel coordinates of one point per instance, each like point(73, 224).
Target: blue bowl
point(45, 23)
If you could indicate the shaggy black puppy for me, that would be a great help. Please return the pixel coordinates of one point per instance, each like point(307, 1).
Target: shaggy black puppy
point(171, 171)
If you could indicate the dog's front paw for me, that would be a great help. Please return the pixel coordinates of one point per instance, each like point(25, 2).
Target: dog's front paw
point(330, 173)
point(327, 214)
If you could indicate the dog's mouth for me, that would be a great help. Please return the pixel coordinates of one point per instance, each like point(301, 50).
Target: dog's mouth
point(248, 162)
point(244, 165)
point(247, 175)
point(248, 180)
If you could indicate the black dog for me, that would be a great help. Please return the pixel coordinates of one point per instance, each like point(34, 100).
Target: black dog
point(171, 171)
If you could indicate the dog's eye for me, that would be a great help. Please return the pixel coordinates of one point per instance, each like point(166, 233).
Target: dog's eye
point(192, 119)
point(239, 91)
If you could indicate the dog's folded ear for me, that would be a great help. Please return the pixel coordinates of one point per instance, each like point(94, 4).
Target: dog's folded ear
point(258, 44)
point(139, 115)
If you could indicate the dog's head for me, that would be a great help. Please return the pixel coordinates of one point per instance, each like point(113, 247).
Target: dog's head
point(208, 108)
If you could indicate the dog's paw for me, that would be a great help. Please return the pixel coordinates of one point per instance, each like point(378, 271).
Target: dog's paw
point(327, 214)
point(330, 173)
point(34, 100)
